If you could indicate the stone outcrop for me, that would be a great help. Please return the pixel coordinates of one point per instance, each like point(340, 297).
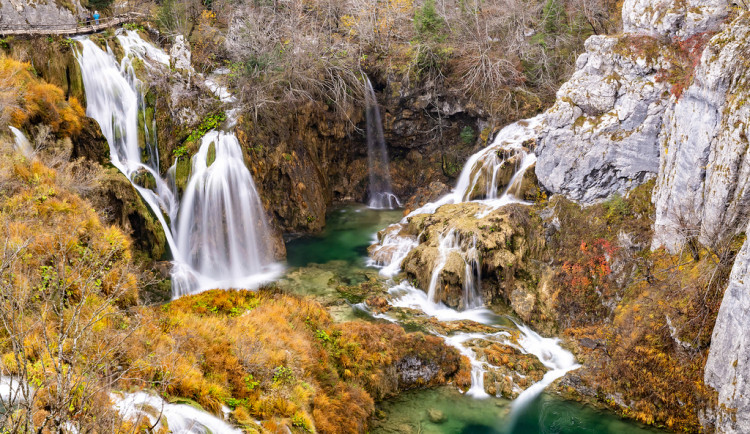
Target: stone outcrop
point(702, 187)
point(23, 13)
point(728, 364)
point(602, 131)
point(674, 19)
point(505, 241)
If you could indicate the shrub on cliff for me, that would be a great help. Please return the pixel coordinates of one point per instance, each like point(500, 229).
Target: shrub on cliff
point(645, 316)
point(27, 100)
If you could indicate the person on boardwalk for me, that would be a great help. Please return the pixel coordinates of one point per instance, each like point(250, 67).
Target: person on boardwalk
point(96, 17)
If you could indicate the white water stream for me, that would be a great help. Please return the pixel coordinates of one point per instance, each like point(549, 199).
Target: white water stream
point(479, 183)
point(218, 234)
point(178, 418)
point(381, 192)
point(21, 143)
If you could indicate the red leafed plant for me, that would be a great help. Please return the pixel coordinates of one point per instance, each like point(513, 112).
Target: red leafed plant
point(688, 53)
point(585, 281)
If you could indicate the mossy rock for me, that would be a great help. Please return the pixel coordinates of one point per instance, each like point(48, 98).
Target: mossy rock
point(129, 211)
point(54, 61)
point(182, 172)
point(145, 179)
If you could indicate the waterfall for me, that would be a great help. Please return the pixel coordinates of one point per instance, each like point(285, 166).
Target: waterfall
point(218, 234)
point(222, 233)
point(480, 173)
point(450, 243)
point(480, 181)
point(381, 194)
point(548, 350)
point(177, 418)
point(113, 101)
point(21, 143)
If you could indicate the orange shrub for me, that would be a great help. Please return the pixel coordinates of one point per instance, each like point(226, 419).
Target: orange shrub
point(33, 101)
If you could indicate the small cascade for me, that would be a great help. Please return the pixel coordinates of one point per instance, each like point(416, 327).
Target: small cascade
point(548, 350)
point(177, 418)
point(510, 141)
point(492, 177)
point(218, 234)
point(391, 249)
point(21, 143)
point(450, 243)
point(483, 180)
point(381, 192)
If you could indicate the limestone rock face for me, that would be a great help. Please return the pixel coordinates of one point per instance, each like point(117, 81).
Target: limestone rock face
point(25, 13)
point(728, 364)
point(180, 54)
point(704, 175)
point(671, 18)
point(602, 132)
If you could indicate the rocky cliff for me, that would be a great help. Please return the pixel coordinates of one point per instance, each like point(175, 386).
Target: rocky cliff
point(605, 127)
point(701, 188)
point(728, 364)
point(668, 100)
point(23, 13)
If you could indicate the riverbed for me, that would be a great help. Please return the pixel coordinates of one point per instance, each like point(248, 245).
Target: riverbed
point(338, 255)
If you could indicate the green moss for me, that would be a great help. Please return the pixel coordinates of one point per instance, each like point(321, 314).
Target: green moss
point(211, 156)
point(182, 172)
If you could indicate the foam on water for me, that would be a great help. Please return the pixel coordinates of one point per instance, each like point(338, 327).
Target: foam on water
point(180, 418)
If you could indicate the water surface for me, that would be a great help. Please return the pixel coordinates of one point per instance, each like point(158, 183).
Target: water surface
point(350, 230)
point(444, 411)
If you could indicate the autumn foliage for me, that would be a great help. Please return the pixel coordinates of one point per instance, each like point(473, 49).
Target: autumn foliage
point(277, 358)
point(28, 100)
point(646, 316)
point(586, 281)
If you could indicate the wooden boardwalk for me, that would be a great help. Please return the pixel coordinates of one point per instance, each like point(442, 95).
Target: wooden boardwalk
point(72, 30)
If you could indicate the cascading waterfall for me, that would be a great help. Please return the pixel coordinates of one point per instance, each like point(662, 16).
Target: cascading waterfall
point(114, 102)
point(479, 182)
point(450, 243)
point(393, 247)
point(219, 227)
point(381, 192)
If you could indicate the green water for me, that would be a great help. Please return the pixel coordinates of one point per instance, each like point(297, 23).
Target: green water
point(349, 232)
point(319, 264)
point(453, 412)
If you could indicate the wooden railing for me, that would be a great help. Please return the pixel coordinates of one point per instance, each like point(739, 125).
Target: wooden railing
point(80, 28)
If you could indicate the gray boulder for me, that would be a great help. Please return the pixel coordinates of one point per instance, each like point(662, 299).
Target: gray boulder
point(602, 133)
